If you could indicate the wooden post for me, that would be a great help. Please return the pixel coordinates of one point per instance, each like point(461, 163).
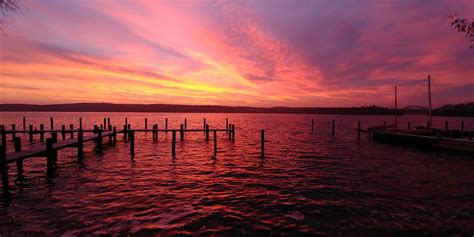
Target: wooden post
point(227, 124)
point(215, 143)
point(155, 132)
point(233, 132)
point(80, 145)
point(204, 124)
point(445, 125)
point(333, 125)
point(125, 132)
point(409, 125)
point(173, 144)
point(31, 133)
point(129, 126)
point(114, 134)
point(230, 132)
point(358, 133)
point(51, 123)
point(71, 127)
point(108, 124)
point(41, 132)
point(49, 155)
point(207, 132)
point(54, 137)
point(99, 140)
point(105, 123)
point(181, 132)
point(312, 125)
point(24, 123)
point(13, 132)
point(80, 123)
point(132, 144)
point(101, 126)
point(185, 123)
point(126, 121)
point(462, 127)
point(146, 123)
point(63, 132)
point(262, 140)
point(166, 124)
point(19, 163)
point(3, 161)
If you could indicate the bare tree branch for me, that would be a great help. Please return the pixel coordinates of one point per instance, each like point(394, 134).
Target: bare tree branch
point(7, 7)
point(463, 25)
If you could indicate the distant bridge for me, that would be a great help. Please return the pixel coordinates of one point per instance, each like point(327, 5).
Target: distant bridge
point(415, 109)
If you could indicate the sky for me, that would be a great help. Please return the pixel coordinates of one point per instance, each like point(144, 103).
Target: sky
point(251, 53)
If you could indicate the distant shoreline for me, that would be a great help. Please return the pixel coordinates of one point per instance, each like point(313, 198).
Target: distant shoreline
point(447, 110)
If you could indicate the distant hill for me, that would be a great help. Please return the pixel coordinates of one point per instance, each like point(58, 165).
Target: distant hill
point(453, 110)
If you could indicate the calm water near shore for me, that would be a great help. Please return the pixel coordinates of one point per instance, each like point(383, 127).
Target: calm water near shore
point(307, 184)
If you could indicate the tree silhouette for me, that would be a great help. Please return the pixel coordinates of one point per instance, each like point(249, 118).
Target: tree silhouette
point(463, 25)
point(7, 7)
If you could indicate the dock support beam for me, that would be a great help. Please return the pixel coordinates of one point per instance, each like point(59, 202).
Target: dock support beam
point(215, 143)
point(63, 132)
point(51, 123)
point(19, 163)
point(166, 124)
point(24, 123)
point(71, 127)
point(227, 123)
point(233, 132)
point(13, 132)
point(181, 132)
point(207, 132)
point(114, 135)
point(99, 140)
point(31, 133)
point(49, 155)
point(262, 141)
point(125, 132)
point(80, 123)
point(204, 123)
point(3, 161)
point(146, 123)
point(185, 123)
point(132, 144)
point(80, 145)
point(173, 144)
point(41, 132)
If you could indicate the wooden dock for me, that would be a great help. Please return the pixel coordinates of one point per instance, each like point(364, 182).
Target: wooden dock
point(50, 146)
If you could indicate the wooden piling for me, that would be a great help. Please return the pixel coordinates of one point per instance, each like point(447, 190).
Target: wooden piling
point(233, 132)
point(173, 144)
point(51, 123)
point(41, 132)
point(226, 123)
point(185, 123)
point(166, 124)
point(126, 121)
point(215, 143)
point(24, 123)
point(445, 125)
point(108, 124)
point(54, 137)
point(13, 131)
point(3, 161)
point(312, 125)
point(358, 132)
point(129, 126)
point(114, 134)
point(71, 127)
point(155, 132)
point(230, 132)
point(99, 140)
point(125, 132)
point(31, 133)
point(207, 132)
point(262, 141)
point(132, 144)
point(80, 145)
point(204, 124)
point(333, 125)
point(49, 155)
point(181, 132)
point(19, 163)
point(105, 123)
point(63, 132)
point(80, 123)
point(146, 123)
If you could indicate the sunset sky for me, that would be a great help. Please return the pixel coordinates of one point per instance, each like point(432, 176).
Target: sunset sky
point(256, 53)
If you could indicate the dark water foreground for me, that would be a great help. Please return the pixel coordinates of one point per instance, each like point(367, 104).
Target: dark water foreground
point(307, 184)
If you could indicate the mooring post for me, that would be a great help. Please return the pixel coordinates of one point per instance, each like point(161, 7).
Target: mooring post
point(126, 121)
point(233, 132)
point(409, 125)
point(31, 132)
point(41, 132)
point(13, 132)
point(114, 134)
point(166, 125)
point(146, 123)
point(215, 143)
point(3, 161)
point(24, 123)
point(80, 123)
point(204, 124)
point(462, 127)
point(108, 124)
point(181, 132)
point(227, 124)
point(101, 126)
point(207, 132)
point(155, 134)
point(185, 123)
point(54, 137)
point(445, 125)
point(80, 145)
point(129, 126)
point(262, 140)
point(312, 125)
point(105, 123)
point(132, 144)
point(358, 132)
point(19, 163)
point(99, 140)
point(230, 132)
point(125, 132)
point(49, 155)
point(51, 123)
point(63, 132)
point(333, 125)
point(173, 144)
point(71, 127)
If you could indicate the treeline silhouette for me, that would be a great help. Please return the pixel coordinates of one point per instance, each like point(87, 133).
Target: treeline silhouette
point(446, 110)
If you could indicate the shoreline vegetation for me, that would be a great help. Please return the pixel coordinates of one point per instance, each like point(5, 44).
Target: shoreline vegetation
point(462, 110)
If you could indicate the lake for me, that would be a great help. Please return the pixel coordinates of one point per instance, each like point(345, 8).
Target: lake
point(308, 183)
